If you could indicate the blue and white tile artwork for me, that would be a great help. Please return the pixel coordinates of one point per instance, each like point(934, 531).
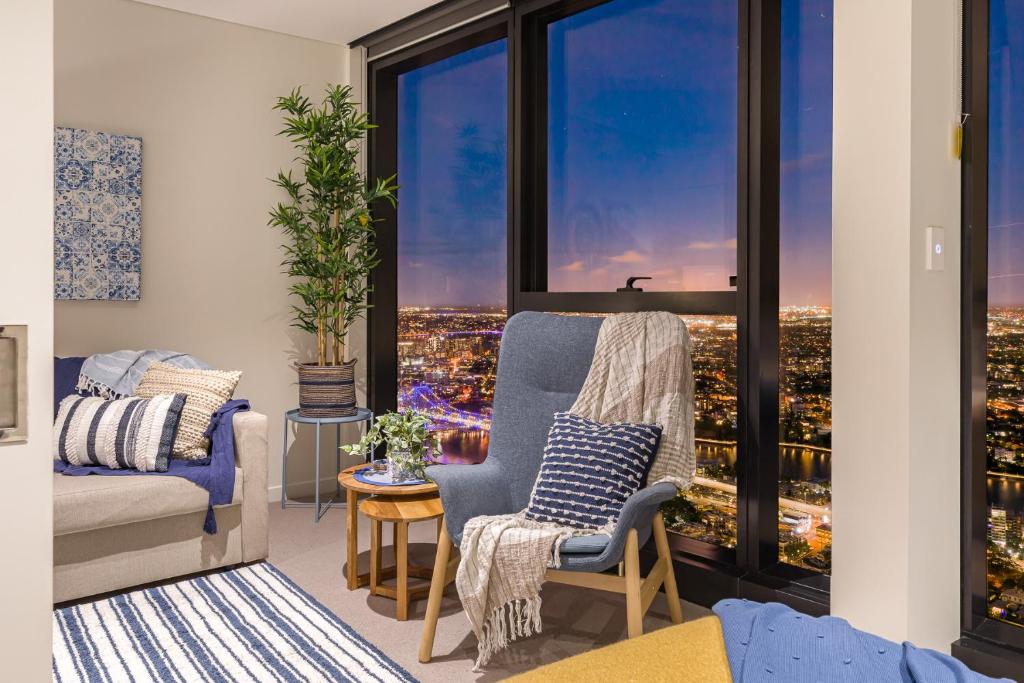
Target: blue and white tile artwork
point(98, 215)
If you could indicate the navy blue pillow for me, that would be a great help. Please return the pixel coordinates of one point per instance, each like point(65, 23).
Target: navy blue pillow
point(65, 379)
point(590, 469)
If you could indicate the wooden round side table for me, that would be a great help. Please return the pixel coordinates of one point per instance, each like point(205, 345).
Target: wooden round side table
point(400, 505)
point(400, 511)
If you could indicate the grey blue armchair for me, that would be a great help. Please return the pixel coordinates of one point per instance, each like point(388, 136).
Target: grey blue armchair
point(543, 363)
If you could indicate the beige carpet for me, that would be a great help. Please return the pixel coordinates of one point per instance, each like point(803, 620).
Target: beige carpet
point(575, 620)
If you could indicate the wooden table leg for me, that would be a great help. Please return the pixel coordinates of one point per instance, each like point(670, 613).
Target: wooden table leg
point(402, 560)
point(376, 529)
point(440, 523)
point(352, 540)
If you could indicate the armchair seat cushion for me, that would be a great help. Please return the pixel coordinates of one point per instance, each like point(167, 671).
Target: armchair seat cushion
point(585, 545)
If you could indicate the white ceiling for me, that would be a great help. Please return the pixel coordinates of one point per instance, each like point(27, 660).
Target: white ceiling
point(333, 21)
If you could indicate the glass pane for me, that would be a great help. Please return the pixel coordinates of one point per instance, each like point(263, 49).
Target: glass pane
point(707, 511)
point(452, 142)
point(642, 146)
point(1004, 437)
point(805, 286)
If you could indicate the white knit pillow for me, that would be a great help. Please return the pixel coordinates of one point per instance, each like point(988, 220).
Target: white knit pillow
point(207, 390)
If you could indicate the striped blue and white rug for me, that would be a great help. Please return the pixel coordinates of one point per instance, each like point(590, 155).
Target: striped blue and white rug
point(247, 624)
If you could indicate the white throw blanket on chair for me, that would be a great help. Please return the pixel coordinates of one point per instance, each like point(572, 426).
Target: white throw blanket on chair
point(641, 372)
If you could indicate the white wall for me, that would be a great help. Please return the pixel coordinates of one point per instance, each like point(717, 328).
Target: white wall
point(896, 461)
point(933, 581)
point(26, 297)
point(199, 92)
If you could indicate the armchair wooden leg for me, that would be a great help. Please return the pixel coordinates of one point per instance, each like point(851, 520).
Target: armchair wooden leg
point(437, 584)
point(675, 610)
point(634, 601)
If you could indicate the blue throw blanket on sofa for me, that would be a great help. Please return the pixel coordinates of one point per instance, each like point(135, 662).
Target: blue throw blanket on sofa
point(215, 473)
point(773, 643)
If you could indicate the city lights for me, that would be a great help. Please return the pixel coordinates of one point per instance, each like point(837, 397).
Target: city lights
point(1004, 441)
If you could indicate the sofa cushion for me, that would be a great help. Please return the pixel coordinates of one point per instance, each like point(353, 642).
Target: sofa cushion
point(207, 391)
point(94, 502)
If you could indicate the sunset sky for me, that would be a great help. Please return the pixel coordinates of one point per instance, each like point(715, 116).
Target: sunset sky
point(642, 156)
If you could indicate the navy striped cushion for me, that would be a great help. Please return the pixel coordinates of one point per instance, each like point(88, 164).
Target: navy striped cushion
point(129, 433)
point(590, 469)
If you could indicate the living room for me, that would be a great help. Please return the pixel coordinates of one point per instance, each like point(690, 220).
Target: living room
point(485, 339)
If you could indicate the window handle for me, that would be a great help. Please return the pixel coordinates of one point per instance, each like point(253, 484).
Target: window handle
point(629, 284)
point(733, 280)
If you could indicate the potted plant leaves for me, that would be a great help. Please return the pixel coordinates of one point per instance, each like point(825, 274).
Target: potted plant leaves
point(330, 249)
point(405, 434)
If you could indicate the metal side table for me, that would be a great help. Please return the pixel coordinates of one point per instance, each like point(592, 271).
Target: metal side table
point(362, 415)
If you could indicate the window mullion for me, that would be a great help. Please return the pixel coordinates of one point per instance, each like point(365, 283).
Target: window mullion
point(758, 286)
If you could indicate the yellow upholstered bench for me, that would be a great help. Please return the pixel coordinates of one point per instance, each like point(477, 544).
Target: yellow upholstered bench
point(694, 651)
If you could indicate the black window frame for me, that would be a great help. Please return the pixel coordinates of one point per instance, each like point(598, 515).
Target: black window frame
point(986, 644)
point(707, 572)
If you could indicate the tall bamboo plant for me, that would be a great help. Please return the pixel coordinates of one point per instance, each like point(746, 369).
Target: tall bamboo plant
point(330, 251)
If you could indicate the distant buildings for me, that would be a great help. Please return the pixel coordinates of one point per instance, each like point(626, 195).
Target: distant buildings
point(1004, 438)
point(997, 526)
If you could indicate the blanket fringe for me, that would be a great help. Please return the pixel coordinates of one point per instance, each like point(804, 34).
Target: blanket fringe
point(506, 623)
point(91, 386)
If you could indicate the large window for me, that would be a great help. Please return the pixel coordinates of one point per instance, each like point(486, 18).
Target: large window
point(992, 609)
point(687, 141)
point(452, 160)
point(805, 286)
point(1004, 436)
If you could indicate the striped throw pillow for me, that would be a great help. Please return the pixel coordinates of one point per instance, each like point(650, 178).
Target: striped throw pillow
point(589, 470)
point(129, 433)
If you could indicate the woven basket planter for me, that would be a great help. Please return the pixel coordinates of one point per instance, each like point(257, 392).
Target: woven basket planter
point(327, 391)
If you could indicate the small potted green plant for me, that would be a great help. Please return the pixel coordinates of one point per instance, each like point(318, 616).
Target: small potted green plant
point(405, 435)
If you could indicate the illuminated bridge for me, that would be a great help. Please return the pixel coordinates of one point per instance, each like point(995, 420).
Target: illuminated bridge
point(422, 398)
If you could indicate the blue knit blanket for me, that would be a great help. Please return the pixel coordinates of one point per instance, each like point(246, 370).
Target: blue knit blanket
point(770, 643)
